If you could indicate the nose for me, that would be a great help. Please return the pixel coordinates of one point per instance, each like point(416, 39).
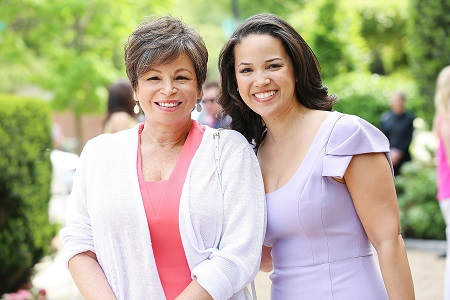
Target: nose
point(168, 88)
point(261, 80)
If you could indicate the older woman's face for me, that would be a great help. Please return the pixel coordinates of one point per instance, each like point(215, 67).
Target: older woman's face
point(168, 93)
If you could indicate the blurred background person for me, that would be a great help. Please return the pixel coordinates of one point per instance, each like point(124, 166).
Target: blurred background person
point(397, 125)
point(442, 130)
point(211, 112)
point(120, 113)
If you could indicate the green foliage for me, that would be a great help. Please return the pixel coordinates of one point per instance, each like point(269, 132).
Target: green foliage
point(74, 49)
point(25, 177)
point(384, 31)
point(278, 7)
point(420, 214)
point(336, 39)
point(429, 35)
point(78, 45)
point(367, 95)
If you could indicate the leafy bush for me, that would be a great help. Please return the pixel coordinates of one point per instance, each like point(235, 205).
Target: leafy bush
point(367, 95)
point(420, 214)
point(428, 32)
point(25, 177)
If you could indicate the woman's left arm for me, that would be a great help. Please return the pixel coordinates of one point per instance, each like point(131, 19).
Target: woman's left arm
point(371, 185)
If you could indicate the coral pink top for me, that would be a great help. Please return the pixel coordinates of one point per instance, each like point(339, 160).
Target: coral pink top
point(443, 170)
point(161, 203)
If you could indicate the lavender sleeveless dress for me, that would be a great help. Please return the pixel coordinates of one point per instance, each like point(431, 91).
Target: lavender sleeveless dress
point(320, 249)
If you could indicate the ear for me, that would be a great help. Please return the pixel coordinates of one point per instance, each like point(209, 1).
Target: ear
point(200, 94)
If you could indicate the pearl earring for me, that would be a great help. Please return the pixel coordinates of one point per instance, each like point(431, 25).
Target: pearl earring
point(136, 108)
point(198, 107)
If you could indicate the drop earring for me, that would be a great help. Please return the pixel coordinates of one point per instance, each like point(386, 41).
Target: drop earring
point(136, 108)
point(198, 107)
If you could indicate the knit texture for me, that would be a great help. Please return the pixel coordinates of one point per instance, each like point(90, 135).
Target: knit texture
point(222, 227)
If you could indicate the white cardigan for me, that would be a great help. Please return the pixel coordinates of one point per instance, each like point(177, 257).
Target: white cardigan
point(222, 226)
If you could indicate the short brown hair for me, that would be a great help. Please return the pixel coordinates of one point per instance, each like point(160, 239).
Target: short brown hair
point(161, 41)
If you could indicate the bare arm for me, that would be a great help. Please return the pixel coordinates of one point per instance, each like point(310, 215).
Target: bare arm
point(444, 133)
point(194, 291)
point(266, 259)
point(371, 185)
point(89, 277)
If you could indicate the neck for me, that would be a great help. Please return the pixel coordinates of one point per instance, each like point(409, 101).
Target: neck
point(166, 136)
point(283, 127)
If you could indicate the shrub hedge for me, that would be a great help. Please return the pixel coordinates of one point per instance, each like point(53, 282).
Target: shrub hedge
point(428, 34)
point(367, 95)
point(25, 178)
point(420, 215)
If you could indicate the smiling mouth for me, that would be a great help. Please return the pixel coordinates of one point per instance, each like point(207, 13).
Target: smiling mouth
point(264, 95)
point(169, 105)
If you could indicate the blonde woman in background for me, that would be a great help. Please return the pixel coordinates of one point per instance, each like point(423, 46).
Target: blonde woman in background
point(442, 130)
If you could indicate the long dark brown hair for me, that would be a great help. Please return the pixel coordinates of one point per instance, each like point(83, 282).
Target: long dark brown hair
point(309, 89)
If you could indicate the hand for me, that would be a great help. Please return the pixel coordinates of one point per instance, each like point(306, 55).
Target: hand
point(396, 156)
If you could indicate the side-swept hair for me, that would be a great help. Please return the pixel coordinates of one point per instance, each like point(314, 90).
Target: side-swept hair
point(309, 89)
point(161, 41)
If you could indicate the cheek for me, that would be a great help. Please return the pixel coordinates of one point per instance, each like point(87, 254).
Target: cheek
point(144, 90)
point(243, 81)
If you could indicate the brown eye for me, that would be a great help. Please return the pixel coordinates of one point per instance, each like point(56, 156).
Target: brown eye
point(246, 70)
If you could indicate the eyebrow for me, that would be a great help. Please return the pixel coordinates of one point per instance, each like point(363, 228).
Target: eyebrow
point(266, 61)
point(176, 71)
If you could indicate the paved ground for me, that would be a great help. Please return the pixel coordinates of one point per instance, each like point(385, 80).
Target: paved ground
point(426, 267)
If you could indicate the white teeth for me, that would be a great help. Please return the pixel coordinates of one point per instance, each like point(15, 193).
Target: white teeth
point(265, 95)
point(172, 104)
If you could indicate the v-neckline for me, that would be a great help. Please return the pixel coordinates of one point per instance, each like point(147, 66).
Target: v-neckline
point(307, 159)
point(157, 205)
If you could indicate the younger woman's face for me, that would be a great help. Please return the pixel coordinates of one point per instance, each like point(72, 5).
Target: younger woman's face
point(265, 75)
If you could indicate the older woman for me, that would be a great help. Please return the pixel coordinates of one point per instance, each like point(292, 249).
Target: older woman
point(322, 172)
point(171, 208)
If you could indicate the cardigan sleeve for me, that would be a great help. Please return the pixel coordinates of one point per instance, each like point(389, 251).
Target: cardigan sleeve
point(77, 234)
point(235, 263)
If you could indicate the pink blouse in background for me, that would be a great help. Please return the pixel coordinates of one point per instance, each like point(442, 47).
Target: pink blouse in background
point(443, 171)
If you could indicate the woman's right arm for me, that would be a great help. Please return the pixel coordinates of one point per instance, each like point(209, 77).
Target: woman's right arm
point(77, 238)
point(89, 277)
